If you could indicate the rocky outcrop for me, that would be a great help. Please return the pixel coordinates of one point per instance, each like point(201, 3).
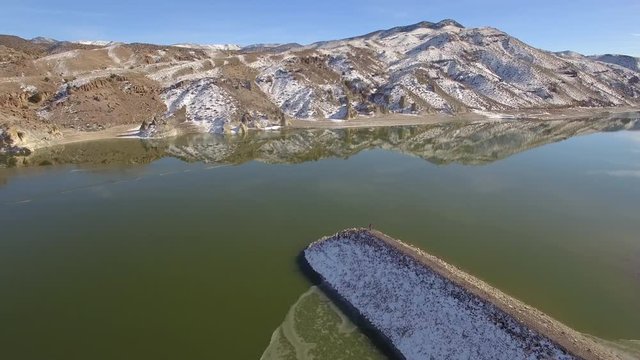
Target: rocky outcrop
point(23, 100)
point(126, 83)
point(101, 102)
point(10, 138)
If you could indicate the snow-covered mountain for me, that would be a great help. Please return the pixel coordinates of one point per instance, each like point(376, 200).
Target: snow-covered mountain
point(441, 67)
point(219, 47)
point(424, 68)
point(95, 42)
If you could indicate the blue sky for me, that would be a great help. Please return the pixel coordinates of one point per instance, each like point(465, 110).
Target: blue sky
point(590, 27)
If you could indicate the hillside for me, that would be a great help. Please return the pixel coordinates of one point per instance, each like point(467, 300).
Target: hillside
point(48, 87)
point(629, 62)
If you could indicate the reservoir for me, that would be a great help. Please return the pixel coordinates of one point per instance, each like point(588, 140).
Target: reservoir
point(187, 247)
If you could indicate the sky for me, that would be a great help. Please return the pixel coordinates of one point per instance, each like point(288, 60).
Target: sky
point(586, 26)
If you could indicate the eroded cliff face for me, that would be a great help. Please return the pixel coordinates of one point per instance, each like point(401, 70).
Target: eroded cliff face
point(425, 68)
point(103, 102)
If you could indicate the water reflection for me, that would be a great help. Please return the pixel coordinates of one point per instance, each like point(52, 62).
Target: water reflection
point(446, 143)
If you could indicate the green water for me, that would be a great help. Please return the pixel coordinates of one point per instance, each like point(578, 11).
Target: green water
point(186, 248)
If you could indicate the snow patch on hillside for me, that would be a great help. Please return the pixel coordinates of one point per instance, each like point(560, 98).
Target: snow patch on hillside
point(95, 42)
point(289, 93)
point(207, 105)
point(181, 71)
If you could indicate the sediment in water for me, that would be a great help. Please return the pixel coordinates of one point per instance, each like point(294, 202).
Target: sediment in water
point(417, 306)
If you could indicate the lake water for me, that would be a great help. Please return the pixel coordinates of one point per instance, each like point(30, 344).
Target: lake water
point(186, 248)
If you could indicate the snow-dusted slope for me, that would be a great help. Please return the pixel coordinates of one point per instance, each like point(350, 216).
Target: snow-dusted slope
point(416, 69)
point(95, 42)
point(440, 67)
point(629, 62)
point(217, 47)
point(207, 105)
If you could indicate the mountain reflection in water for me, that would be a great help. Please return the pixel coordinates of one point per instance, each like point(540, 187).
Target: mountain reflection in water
point(454, 142)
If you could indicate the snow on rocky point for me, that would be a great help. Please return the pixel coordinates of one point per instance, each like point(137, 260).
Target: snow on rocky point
point(423, 314)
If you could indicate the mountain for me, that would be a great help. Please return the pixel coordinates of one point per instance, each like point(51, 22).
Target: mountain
point(629, 62)
point(43, 40)
point(270, 47)
point(215, 47)
point(424, 68)
point(94, 42)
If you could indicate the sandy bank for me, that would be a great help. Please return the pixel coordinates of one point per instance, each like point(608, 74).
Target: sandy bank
point(422, 307)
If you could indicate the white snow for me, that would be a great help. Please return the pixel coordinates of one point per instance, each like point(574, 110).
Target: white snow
point(289, 93)
point(190, 70)
point(31, 89)
point(95, 42)
point(494, 115)
point(218, 47)
point(423, 314)
point(207, 105)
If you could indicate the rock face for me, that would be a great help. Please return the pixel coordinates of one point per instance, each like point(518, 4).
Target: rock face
point(103, 102)
point(9, 142)
point(417, 69)
point(424, 308)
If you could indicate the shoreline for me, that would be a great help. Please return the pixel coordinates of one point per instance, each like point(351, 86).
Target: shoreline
point(574, 343)
point(70, 136)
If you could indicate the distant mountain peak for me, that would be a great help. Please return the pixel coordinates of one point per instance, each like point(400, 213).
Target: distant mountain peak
point(629, 62)
point(208, 46)
point(277, 47)
point(94, 42)
point(428, 25)
point(420, 25)
point(43, 40)
point(446, 22)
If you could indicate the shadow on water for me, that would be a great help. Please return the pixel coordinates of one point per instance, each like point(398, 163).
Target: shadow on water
point(315, 329)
